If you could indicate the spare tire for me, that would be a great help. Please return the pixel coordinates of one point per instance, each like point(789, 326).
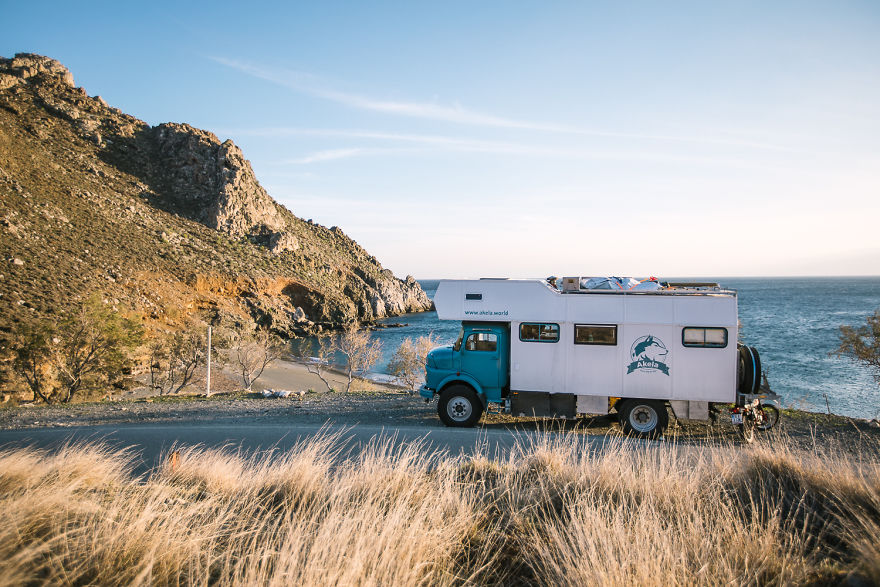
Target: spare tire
point(758, 371)
point(749, 370)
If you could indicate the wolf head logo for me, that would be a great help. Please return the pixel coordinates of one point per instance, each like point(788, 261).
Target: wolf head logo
point(648, 353)
point(649, 347)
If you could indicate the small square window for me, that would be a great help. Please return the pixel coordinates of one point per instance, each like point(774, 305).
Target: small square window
point(532, 332)
point(595, 334)
point(704, 337)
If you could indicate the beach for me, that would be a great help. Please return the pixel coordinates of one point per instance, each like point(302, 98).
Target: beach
point(294, 376)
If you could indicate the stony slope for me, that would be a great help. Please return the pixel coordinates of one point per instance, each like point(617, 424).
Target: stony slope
point(167, 222)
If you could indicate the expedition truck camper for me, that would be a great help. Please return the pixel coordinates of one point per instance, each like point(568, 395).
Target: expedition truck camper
point(529, 349)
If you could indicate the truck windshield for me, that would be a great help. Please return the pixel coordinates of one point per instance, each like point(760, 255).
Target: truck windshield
point(457, 346)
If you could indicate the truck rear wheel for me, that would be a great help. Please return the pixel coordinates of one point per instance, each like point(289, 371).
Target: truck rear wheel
point(644, 418)
point(459, 406)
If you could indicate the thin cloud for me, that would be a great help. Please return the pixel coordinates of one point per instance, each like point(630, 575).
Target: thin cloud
point(309, 84)
point(422, 139)
point(327, 155)
point(461, 145)
point(343, 153)
point(441, 142)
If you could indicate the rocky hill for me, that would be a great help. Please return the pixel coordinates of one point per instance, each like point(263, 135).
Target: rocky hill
point(167, 222)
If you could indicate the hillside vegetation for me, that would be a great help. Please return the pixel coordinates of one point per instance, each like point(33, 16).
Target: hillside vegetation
point(555, 513)
point(166, 223)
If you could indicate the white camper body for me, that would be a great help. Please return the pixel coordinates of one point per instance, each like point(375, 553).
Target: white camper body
point(649, 343)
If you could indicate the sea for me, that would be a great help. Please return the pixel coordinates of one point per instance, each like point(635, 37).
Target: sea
point(794, 322)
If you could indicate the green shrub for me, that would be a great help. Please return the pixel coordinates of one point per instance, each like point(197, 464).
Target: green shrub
point(861, 344)
point(90, 347)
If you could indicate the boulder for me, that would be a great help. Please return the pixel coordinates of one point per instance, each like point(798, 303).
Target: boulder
point(299, 315)
point(280, 242)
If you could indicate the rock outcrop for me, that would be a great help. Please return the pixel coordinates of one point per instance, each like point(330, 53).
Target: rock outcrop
point(168, 221)
point(27, 65)
point(212, 183)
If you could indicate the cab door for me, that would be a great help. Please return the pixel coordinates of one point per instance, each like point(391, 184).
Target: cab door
point(483, 357)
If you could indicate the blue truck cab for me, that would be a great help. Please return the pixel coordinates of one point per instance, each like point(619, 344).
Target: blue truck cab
point(470, 374)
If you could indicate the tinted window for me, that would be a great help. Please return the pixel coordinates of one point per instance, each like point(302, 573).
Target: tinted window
point(595, 334)
point(481, 341)
point(706, 337)
point(532, 332)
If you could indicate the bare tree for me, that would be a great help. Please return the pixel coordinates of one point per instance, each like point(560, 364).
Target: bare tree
point(315, 359)
point(175, 359)
point(251, 353)
point(408, 361)
point(861, 344)
point(360, 351)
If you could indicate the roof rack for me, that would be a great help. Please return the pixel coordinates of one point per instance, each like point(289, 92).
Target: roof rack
point(573, 285)
point(693, 284)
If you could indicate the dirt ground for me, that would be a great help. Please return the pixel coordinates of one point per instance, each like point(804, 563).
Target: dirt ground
point(398, 409)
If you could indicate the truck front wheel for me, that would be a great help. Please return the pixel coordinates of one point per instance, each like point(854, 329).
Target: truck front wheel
point(642, 417)
point(459, 406)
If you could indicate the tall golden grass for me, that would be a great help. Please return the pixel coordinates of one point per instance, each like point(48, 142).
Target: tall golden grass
point(553, 511)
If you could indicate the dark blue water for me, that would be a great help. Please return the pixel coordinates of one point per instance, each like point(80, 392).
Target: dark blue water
point(792, 321)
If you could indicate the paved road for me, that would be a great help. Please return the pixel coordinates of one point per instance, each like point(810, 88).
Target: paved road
point(152, 441)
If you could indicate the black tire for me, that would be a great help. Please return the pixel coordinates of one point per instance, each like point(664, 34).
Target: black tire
point(644, 418)
point(749, 370)
point(771, 417)
point(758, 370)
point(459, 406)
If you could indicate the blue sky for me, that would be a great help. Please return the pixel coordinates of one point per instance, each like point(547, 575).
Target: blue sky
point(463, 139)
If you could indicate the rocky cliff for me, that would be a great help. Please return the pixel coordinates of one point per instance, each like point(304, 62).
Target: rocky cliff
point(167, 222)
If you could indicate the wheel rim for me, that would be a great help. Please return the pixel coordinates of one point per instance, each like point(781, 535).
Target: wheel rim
point(643, 419)
point(459, 408)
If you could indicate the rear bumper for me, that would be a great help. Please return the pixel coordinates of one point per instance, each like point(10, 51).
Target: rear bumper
point(426, 393)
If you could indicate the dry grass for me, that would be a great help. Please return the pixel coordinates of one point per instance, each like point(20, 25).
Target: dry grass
point(554, 512)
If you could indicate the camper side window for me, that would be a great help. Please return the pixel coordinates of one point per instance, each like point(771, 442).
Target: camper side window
point(530, 332)
point(481, 341)
point(595, 334)
point(704, 337)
